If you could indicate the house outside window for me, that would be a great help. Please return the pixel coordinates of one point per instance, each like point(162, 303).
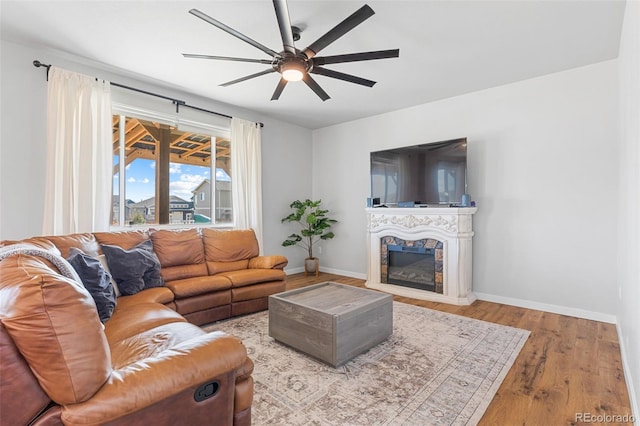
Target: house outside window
point(221, 209)
point(162, 172)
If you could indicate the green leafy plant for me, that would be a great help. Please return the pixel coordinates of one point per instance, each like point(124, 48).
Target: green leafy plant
point(314, 222)
point(138, 218)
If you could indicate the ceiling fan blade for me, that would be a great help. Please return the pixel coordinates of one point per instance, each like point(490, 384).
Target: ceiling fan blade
point(315, 87)
point(279, 89)
point(223, 27)
point(342, 76)
point(355, 57)
point(355, 19)
point(227, 58)
point(258, 74)
point(284, 23)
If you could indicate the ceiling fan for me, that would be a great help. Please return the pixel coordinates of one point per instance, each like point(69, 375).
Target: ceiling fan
point(294, 64)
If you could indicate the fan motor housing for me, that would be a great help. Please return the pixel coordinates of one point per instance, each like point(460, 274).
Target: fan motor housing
point(288, 61)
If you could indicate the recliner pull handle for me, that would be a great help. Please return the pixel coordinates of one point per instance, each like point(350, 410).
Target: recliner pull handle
point(206, 391)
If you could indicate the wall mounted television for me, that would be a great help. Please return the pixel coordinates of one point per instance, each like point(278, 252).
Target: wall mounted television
point(426, 174)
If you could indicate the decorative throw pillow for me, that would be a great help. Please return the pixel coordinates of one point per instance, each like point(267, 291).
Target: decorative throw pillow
point(96, 280)
point(134, 269)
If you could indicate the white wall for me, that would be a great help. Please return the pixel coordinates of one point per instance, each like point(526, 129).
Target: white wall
point(286, 177)
point(542, 166)
point(629, 216)
point(23, 91)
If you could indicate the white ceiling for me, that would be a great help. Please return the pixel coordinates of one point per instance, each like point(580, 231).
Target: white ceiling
point(447, 48)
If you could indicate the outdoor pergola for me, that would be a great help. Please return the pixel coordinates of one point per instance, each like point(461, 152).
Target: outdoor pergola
point(167, 144)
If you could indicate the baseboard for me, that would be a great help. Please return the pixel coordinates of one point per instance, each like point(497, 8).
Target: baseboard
point(300, 270)
point(547, 307)
point(627, 376)
point(291, 271)
point(344, 273)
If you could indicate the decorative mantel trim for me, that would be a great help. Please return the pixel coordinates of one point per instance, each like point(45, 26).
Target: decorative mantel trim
point(449, 224)
point(452, 226)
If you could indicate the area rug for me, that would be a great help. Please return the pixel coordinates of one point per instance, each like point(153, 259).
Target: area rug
point(435, 369)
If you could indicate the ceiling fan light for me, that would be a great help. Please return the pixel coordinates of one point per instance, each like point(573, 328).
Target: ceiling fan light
point(292, 72)
point(292, 75)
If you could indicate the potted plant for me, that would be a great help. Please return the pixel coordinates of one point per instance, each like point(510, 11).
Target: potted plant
point(315, 226)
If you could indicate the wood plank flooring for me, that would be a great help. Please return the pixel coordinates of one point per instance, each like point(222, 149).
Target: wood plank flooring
point(568, 366)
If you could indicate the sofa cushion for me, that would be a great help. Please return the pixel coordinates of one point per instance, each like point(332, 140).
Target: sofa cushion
point(124, 239)
point(160, 295)
point(253, 276)
point(39, 242)
point(171, 273)
point(130, 320)
point(175, 248)
point(134, 269)
point(53, 322)
point(151, 343)
point(229, 245)
point(96, 280)
point(218, 267)
point(198, 285)
point(86, 242)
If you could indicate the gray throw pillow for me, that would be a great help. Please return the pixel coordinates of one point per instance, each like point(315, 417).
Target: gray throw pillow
point(96, 280)
point(134, 269)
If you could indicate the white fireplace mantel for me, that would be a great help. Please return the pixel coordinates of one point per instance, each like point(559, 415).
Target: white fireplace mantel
point(453, 226)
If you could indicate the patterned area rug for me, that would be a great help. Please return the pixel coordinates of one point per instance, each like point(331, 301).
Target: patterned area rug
point(435, 369)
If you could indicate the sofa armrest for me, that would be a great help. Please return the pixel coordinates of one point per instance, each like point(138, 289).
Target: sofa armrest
point(180, 369)
point(268, 262)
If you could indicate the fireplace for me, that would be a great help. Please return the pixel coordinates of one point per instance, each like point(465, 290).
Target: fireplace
point(422, 253)
point(414, 264)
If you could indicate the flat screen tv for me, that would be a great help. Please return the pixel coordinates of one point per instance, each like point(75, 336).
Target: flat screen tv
point(431, 173)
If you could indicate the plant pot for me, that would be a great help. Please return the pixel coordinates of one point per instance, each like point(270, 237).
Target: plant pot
point(311, 265)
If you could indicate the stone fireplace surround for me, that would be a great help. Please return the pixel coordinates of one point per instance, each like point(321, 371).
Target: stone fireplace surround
point(452, 226)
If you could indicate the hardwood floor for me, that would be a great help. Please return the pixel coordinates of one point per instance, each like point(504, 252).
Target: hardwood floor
point(569, 370)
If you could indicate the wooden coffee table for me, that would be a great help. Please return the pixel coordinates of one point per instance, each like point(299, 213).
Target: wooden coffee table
point(329, 321)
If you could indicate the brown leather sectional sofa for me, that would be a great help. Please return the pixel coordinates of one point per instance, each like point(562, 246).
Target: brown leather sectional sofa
point(148, 363)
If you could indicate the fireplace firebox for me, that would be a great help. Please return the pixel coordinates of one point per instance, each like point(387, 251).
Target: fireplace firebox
point(415, 264)
point(413, 267)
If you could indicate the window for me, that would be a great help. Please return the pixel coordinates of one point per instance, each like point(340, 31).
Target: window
point(160, 168)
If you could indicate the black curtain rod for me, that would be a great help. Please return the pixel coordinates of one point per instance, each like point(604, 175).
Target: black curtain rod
point(178, 103)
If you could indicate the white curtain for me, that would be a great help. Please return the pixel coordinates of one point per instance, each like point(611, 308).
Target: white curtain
point(246, 175)
point(79, 160)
